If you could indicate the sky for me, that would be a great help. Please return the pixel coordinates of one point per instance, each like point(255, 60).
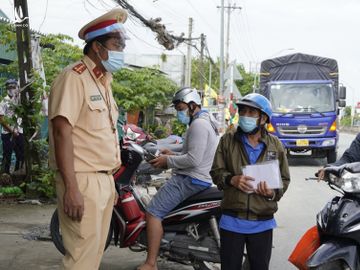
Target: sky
point(262, 29)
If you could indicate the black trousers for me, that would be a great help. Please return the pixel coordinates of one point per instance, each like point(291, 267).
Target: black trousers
point(258, 248)
point(10, 144)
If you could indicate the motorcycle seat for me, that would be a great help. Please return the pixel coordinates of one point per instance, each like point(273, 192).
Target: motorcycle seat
point(210, 194)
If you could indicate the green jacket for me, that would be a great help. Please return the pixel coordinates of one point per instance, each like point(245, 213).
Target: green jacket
point(230, 158)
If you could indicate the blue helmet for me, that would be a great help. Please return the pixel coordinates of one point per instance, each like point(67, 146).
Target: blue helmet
point(257, 101)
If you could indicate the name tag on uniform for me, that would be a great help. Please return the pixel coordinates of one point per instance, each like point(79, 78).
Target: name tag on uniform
point(95, 98)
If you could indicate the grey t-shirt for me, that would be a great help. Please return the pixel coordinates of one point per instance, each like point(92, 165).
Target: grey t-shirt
point(200, 143)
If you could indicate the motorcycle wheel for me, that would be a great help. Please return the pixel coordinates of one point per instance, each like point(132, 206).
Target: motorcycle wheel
point(334, 265)
point(56, 234)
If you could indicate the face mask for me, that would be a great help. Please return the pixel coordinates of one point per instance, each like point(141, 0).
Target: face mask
point(183, 117)
point(114, 62)
point(248, 124)
point(11, 92)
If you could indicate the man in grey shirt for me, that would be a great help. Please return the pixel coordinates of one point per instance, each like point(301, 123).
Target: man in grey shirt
point(191, 167)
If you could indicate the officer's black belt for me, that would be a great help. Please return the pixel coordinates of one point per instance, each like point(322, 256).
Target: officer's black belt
point(106, 172)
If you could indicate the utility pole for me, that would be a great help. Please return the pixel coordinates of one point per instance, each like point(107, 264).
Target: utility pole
point(222, 48)
point(229, 9)
point(188, 58)
point(25, 66)
point(23, 42)
point(201, 66)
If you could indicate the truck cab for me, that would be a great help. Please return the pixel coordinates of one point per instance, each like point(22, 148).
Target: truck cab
point(305, 96)
point(305, 116)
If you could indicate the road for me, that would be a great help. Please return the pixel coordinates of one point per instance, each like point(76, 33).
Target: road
point(297, 211)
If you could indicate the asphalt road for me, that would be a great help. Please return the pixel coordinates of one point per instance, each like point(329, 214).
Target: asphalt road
point(21, 224)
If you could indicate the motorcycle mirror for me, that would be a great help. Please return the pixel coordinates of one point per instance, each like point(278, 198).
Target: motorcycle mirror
point(137, 148)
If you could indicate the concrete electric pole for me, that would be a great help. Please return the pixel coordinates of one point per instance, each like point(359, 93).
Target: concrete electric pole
point(188, 57)
point(229, 9)
point(25, 66)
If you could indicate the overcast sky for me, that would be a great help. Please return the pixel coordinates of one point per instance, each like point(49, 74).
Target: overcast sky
point(262, 29)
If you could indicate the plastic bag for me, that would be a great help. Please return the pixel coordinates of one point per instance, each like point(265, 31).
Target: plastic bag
point(306, 246)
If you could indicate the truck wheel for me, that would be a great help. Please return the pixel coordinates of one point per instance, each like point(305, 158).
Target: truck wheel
point(56, 234)
point(331, 156)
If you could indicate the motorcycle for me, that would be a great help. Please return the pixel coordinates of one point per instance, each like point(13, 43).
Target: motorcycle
point(338, 223)
point(191, 233)
point(146, 173)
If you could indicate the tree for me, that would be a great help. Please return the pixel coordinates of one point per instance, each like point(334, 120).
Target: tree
point(245, 86)
point(139, 89)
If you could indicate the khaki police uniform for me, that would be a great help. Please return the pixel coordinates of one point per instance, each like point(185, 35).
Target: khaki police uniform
point(82, 94)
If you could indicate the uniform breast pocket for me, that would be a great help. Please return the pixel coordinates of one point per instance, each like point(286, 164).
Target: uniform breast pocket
point(97, 116)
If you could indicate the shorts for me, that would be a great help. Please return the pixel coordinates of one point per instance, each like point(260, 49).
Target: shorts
point(176, 190)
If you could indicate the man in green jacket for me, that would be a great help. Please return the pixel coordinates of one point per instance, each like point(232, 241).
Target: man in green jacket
point(248, 211)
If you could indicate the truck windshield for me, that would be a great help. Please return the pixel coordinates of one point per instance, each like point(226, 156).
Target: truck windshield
point(302, 98)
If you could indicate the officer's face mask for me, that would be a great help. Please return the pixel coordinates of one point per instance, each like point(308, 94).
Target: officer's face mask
point(248, 124)
point(183, 116)
point(114, 62)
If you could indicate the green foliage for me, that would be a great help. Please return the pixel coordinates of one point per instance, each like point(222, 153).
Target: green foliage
point(347, 111)
point(245, 86)
point(178, 128)
point(43, 182)
point(11, 191)
point(58, 53)
point(135, 90)
point(345, 121)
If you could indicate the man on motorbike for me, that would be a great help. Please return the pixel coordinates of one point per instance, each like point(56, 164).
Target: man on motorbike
point(190, 168)
point(248, 212)
point(352, 154)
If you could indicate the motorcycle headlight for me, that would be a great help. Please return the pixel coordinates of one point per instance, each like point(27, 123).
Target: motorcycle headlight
point(350, 182)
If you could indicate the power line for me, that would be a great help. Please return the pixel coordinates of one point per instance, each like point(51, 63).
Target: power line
point(46, 8)
point(163, 36)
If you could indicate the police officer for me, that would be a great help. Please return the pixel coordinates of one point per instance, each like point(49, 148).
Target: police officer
point(84, 147)
point(12, 132)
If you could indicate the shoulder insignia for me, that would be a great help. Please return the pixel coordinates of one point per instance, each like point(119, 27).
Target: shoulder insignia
point(79, 68)
point(97, 72)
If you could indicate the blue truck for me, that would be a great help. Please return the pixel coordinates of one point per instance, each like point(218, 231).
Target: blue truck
point(305, 95)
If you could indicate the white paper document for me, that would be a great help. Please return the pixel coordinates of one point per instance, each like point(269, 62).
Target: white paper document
point(267, 171)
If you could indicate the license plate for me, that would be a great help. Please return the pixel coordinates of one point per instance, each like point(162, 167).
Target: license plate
point(302, 142)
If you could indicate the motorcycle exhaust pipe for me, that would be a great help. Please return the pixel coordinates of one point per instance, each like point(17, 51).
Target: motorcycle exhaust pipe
point(215, 229)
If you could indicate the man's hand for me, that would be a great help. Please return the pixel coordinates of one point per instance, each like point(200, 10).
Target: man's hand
point(159, 162)
point(73, 203)
point(242, 182)
point(320, 174)
point(264, 190)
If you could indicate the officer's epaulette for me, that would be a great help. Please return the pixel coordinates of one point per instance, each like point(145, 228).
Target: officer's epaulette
point(79, 68)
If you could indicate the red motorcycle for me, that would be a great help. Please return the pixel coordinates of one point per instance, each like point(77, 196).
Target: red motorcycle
point(191, 234)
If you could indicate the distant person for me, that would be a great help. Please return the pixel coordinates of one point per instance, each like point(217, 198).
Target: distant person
point(12, 132)
point(248, 212)
point(84, 145)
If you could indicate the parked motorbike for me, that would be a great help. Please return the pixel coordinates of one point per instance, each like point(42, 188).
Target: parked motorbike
point(191, 234)
point(338, 223)
point(146, 172)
